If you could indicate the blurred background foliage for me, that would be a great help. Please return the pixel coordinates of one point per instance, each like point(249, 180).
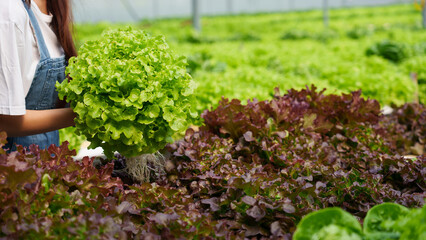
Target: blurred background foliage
point(381, 50)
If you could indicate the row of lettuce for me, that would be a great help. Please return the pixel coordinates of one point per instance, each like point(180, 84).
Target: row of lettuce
point(243, 57)
point(258, 170)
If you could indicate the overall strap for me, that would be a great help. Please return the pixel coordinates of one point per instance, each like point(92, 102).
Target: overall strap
point(42, 47)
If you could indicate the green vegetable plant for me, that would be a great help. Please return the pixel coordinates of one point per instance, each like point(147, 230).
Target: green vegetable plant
point(378, 224)
point(130, 92)
point(390, 50)
point(329, 223)
point(383, 221)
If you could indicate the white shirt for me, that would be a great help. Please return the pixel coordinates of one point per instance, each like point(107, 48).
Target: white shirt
point(19, 54)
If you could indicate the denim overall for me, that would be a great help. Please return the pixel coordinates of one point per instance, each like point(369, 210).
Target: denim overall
point(42, 94)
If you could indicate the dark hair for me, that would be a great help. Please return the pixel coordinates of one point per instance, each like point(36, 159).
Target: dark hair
point(62, 24)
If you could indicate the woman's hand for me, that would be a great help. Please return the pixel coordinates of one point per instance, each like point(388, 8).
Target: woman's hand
point(37, 121)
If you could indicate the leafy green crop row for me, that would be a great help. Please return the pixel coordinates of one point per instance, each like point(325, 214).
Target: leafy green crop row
point(250, 57)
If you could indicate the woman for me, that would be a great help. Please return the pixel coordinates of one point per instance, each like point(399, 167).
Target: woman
point(35, 45)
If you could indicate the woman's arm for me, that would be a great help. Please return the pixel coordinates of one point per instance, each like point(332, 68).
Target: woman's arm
point(36, 121)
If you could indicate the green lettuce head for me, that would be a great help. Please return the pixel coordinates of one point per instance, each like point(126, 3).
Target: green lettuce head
point(130, 92)
point(328, 224)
